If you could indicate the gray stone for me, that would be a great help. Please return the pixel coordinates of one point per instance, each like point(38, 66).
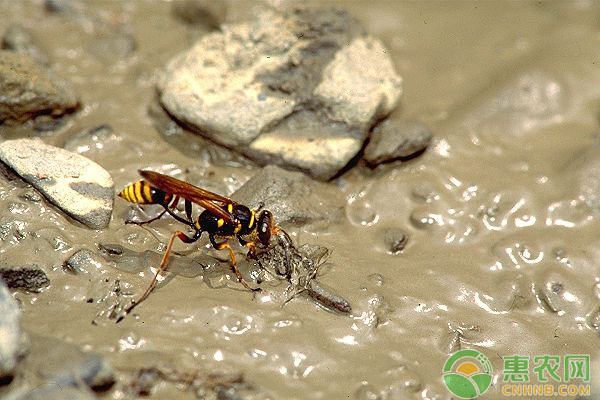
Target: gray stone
point(206, 12)
point(52, 391)
point(29, 277)
point(65, 364)
point(27, 89)
point(84, 262)
point(10, 332)
point(17, 39)
point(58, 6)
point(391, 140)
point(80, 187)
point(300, 89)
point(291, 196)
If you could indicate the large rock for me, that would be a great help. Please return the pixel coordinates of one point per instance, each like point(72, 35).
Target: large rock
point(300, 89)
point(10, 332)
point(52, 391)
point(80, 187)
point(66, 364)
point(291, 196)
point(27, 89)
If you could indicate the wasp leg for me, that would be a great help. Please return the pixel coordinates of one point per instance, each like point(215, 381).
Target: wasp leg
point(188, 210)
point(225, 245)
point(130, 221)
point(163, 265)
point(168, 209)
point(251, 246)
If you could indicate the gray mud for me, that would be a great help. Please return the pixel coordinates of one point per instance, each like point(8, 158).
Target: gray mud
point(487, 240)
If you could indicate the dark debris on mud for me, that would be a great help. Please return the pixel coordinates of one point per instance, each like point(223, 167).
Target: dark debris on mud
point(204, 385)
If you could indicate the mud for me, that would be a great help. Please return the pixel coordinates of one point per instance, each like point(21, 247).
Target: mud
point(501, 210)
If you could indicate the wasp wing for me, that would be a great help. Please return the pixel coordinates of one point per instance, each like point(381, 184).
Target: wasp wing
point(203, 198)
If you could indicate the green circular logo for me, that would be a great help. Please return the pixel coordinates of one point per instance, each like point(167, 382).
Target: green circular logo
point(467, 374)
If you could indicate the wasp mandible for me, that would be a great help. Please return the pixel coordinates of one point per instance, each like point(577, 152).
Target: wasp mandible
point(223, 219)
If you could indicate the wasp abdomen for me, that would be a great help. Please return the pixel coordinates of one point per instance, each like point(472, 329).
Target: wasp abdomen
point(142, 193)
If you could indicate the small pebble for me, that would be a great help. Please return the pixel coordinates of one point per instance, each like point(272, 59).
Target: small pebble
point(395, 240)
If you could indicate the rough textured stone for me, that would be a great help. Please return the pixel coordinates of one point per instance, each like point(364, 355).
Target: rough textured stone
point(286, 88)
point(27, 89)
point(78, 186)
point(391, 140)
point(291, 196)
point(17, 39)
point(359, 85)
point(29, 277)
point(10, 331)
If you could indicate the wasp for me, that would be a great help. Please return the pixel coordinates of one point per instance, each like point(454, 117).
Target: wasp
point(222, 218)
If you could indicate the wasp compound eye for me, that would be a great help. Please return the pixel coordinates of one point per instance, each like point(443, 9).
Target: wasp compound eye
point(265, 223)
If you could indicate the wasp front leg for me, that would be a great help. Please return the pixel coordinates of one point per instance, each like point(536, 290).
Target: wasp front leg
point(226, 245)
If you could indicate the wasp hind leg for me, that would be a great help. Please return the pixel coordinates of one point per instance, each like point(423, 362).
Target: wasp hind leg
point(225, 245)
point(167, 209)
point(159, 216)
point(163, 266)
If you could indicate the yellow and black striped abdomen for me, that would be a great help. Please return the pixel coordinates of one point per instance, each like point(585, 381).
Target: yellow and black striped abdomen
point(142, 193)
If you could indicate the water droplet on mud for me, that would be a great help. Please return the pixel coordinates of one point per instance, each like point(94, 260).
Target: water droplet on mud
point(404, 380)
point(424, 193)
point(360, 213)
point(424, 218)
point(569, 213)
point(366, 392)
point(556, 290)
point(517, 254)
point(376, 279)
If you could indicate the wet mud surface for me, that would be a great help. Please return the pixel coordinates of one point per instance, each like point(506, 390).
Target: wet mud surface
point(487, 240)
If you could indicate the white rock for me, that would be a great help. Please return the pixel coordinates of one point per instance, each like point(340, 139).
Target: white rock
point(80, 187)
point(10, 331)
point(360, 85)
